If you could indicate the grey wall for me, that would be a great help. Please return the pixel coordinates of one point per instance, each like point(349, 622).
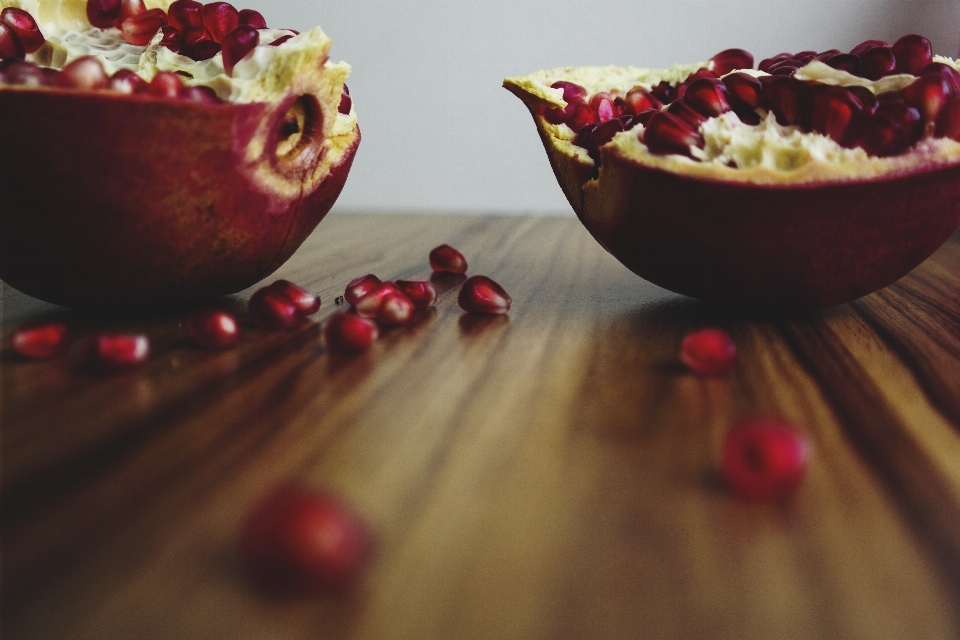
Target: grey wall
point(440, 134)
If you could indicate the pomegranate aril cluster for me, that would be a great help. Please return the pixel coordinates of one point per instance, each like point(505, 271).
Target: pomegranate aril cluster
point(853, 116)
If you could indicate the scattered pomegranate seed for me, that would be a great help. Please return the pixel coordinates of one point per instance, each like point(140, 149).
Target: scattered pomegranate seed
point(119, 351)
point(197, 44)
point(347, 334)
point(668, 133)
point(369, 305)
point(299, 541)
point(213, 329)
point(41, 341)
point(421, 292)
point(764, 459)
point(84, 73)
point(480, 294)
point(359, 287)
point(396, 309)
point(447, 259)
point(708, 352)
point(269, 309)
point(237, 44)
point(251, 18)
point(127, 81)
point(913, 53)
point(731, 60)
point(220, 18)
point(25, 27)
point(103, 13)
point(140, 28)
point(166, 84)
point(185, 13)
point(306, 303)
point(10, 46)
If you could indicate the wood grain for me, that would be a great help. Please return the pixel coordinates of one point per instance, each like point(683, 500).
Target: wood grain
point(548, 474)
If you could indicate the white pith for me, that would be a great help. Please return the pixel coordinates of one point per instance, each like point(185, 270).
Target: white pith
point(767, 153)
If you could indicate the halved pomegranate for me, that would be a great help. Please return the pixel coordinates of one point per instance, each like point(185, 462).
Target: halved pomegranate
point(142, 166)
point(817, 179)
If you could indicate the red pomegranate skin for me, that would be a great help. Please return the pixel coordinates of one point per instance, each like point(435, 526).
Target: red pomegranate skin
point(115, 201)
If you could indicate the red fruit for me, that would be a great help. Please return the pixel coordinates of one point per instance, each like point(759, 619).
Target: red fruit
point(41, 341)
point(834, 111)
point(602, 105)
point(85, 73)
point(237, 44)
point(306, 303)
point(480, 294)
point(359, 287)
point(787, 98)
point(639, 100)
point(928, 94)
point(140, 28)
point(667, 133)
point(26, 73)
point(166, 84)
point(346, 334)
point(25, 27)
point(170, 38)
point(220, 18)
point(126, 81)
point(913, 53)
point(251, 18)
point(213, 329)
point(730, 60)
point(197, 43)
point(744, 90)
point(868, 44)
point(10, 46)
point(948, 122)
point(708, 96)
point(683, 110)
point(581, 117)
point(200, 94)
point(447, 259)
point(129, 8)
point(573, 94)
point(185, 13)
point(421, 292)
point(767, 63)
point(878, 62)
point(346, 102)
point(395, 309)
point(764, 459)
point(867, 98)
point(299, 541)
point(271, 310)
point(103, 13)
point(369, 305)
point(120, 351)
point(708, 352)
point(846, 62)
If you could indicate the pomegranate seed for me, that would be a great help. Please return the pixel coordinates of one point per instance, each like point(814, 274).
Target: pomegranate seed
point(103, 13)
point(602, 105)
point(913, 53)
point(764, 459)
point(638, 100)
point(421, 292)
point(237, 44)
point(868, 44)
point(359, 287)
point(130, 8)
point(213, 329)
point(185, 13)
point(305, 302)
point(20, 72)
point(664, 92)
point(25, 27)
point(928, 94)
point(834, 110)
point(866, 97)
point(730, 60)
point(667, 133)
point(197, 43)
point(118, 351)
point(369, 305)
point(41, 341)
point(395, 309)
point(347, 334)
point(346, 102)
point(279, 41)
point(826, 55)
point(220, 18)
point(846, 62)
point(299, 541)
point(943, 71)
point(571, 92)
point(269, 309)
point(170, 38)
point(480, 294)
point(877, 62)
point(140, 28)
point(447, 259)
point(682, 109)
point(805, 56)
point(708, 96)
point(200, 94)
point(251, 18)
point(880, 135)
point(126, 81)
point(766, 63)
point(744, 90)
point(10, 46)
point(786, 97)
point(85, 73)
point(604, 133)
point(948, 122)
point(581, 116)
point(708, 352)
point(166, 84)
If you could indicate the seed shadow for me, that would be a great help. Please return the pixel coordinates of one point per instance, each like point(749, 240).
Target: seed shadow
point(474, 325)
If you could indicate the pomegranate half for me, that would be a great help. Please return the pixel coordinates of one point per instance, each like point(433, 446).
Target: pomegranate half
point(163, 175)
point(808, 182)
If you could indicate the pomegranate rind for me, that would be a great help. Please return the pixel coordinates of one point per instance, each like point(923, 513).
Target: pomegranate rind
point(797, 239)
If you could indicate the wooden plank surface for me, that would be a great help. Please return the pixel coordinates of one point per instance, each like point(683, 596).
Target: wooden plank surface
point(549, 474)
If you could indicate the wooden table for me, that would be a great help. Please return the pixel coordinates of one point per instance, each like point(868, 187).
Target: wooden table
point(548, 474)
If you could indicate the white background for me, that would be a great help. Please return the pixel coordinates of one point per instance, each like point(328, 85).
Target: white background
point(439, 132)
